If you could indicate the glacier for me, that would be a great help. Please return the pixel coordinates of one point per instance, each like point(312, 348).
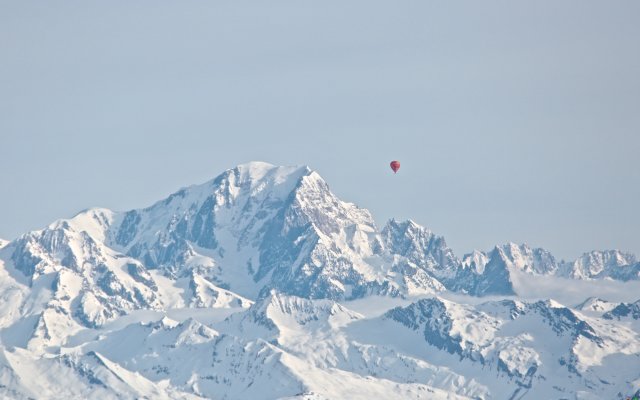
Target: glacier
point(262, 284)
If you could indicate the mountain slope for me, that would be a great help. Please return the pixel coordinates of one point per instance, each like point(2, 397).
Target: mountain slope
point(542, 348)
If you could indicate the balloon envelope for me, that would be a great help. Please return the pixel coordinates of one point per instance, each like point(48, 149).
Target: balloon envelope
point(395, 166)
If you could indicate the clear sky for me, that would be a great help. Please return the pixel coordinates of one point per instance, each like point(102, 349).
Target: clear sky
point(514, 121)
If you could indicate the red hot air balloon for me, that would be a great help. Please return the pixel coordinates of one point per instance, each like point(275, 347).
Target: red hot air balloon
point(395, 166)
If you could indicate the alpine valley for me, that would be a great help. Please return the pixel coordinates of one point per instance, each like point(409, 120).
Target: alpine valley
point(262, 284)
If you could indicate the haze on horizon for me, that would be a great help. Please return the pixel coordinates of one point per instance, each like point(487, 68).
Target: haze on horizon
point(512, 121)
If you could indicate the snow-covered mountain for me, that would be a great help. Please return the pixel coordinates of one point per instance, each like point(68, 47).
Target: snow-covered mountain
point(541, 347)
point(630, 310)
point(596, 304)
point(262, 284)
point(612, 264)
point(609, 264)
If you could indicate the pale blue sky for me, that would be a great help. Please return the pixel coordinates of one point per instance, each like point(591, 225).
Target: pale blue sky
point(513, 120)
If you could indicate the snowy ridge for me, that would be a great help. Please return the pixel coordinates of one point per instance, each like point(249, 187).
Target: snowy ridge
point(596, 304)
point(573, 349)
point(262, 284)
point(609, 264)
point(605, 264)
point(622, 310)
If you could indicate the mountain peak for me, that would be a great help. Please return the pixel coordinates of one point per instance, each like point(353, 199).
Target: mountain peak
point(255, 165)
point(94, 221)
point(594, 303)
point(535, 261)
point(610, 257)
point(257, 170)
point(607, 263)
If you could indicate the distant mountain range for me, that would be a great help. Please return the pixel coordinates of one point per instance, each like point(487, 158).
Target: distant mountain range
point(262, 284)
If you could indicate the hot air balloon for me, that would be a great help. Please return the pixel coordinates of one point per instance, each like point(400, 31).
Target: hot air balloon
point(395, 166)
